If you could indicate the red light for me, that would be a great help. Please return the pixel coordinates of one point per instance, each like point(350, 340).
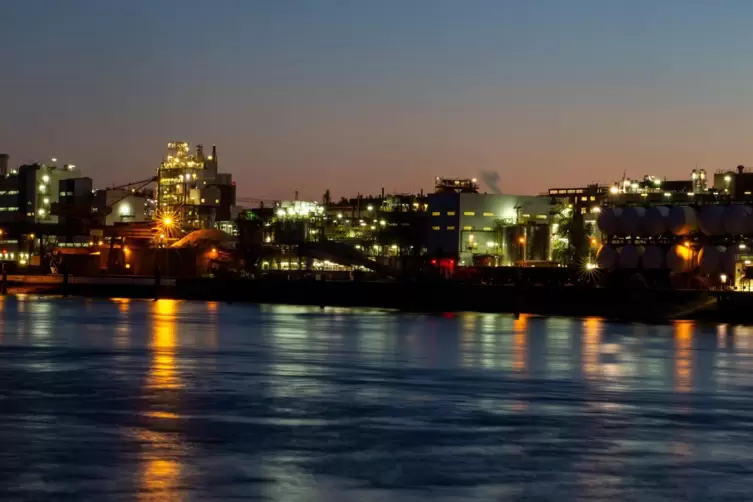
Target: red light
point(233, 183)
point(433, 262)
point(452, 262)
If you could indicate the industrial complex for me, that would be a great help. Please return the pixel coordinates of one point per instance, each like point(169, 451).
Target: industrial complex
point(186, 220)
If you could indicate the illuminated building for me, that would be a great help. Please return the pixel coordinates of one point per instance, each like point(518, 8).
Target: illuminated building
point(190, 187)
point(469, 226)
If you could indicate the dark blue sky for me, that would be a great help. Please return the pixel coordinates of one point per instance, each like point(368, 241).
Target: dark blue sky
point(355, 95)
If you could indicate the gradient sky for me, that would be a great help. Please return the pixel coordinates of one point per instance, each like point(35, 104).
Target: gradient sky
point(355, 95)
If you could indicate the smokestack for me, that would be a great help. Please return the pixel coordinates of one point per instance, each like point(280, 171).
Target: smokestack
point(740, 169)
point(200, 152)
point(4, 164)
point(214, 153)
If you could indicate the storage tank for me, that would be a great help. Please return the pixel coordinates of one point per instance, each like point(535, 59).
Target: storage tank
point(680, 259)
point(729, 260)
point(631, 221)
point(630, 256)
point(710, 259)
point(607, 257)
point(655, 221)
point(682, 220)
point(653, 258)
point(609, 220)
point(711, 220)
point(738, 219)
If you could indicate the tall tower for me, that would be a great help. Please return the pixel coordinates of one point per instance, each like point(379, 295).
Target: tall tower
point(177, 185)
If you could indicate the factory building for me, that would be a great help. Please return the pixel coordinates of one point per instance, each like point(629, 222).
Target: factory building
point(487, 229)
point(191, 190)
point(120, 206)
point(27, 193)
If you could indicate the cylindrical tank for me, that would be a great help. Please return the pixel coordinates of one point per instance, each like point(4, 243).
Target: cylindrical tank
point(680, 259)
point(710, 259)
point(738, 219)
point(682, 220)
point(630, 256)
point(609, 220)
point(653, 258)
point(729, 260)
point(711, 220)
point(607, 257)
point(631, 221)
point(655, 221)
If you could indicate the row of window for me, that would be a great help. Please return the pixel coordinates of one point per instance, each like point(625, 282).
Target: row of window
point(465, 228)
point(465, 213)
point(8, 192)
point(8, 208)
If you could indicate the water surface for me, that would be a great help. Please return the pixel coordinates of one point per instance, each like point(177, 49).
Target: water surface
point(170, 400)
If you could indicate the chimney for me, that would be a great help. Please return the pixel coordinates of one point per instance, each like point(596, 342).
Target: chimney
point(200, 152)
point(4, 164)
point(740, 169)
point(214, 153)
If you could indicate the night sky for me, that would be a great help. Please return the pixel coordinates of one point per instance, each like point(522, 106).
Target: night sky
point(355, 95)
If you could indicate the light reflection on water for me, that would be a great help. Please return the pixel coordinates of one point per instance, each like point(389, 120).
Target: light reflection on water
point(171, 400)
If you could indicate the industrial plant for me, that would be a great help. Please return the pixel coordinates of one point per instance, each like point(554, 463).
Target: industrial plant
point(186, 221)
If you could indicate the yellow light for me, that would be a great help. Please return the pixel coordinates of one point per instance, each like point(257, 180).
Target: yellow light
point(593, 241)
point(101, 243)
point(167, 221)
point(590, 266)
point(614, 190)
point(686, 244)
point(128, 265)
point(522, 240)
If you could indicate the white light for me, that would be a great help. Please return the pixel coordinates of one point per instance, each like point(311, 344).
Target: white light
point(382, 222)
point(667, 194)
point(124, 209)
point(370, 208)
point(41, 212)
point(339, 216)
point(596, 209)
point(490, 244)
point(590, 266)
point(280, 212)
point(46, 178)
point(54, 159)
point(742, 246)
point(657, 182)
point(723, 277)
point(46, 201)
point(728, 178)
point(42, 187)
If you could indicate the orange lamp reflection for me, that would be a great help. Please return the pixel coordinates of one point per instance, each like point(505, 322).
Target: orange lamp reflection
point(163, 374)
point(683, 331)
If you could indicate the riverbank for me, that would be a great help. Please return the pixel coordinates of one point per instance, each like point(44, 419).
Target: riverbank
point(651, 306)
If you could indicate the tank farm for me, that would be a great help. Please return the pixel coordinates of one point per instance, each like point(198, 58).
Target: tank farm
point(700, 244)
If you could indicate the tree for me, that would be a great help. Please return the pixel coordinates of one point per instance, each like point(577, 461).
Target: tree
point(327, 198)
point(571, 236)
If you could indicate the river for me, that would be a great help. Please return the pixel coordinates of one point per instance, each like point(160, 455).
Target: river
point(169, 400)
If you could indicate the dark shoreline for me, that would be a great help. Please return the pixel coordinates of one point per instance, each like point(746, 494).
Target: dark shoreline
point(622, 305)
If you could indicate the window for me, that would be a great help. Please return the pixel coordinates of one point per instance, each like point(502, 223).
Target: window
point(593, 198)
point(488, 214)
point(467, 228)
point(451, 227)
point(487, 229)
point(436, 213)
point(450, 213)
point(435, 228)
point(584, 198)
point(469, 213)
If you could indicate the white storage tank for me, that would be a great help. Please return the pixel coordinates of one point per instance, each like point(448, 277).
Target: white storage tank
point(631, 221)
point(710, 259)
point(738, 219)
point(608, 220)
point(682, 220)
point(655, 220)
point(607, 257)
point(711, 220)
point(680, 259)
point(653, 258)
point(630, 256)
